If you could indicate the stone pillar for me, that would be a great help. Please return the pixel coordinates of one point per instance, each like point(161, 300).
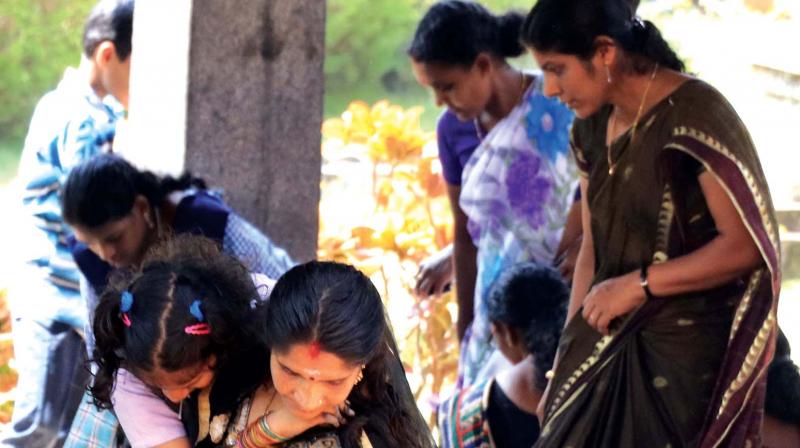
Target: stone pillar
point(254, 109)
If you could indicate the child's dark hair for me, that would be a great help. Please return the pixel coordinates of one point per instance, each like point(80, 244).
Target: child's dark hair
point(338, 307)
point(103, 189)
point(532, 299)
point(783, 384)
point(110, 20)
point(454, 32)
point(571, 27)
point(152, 333)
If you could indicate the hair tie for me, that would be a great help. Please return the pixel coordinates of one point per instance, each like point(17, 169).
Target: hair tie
point(194, 310)
point(199, 328)
point(126, 302)
point(637, 22)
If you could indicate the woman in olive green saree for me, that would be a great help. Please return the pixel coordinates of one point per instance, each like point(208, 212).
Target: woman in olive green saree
point(672, 316)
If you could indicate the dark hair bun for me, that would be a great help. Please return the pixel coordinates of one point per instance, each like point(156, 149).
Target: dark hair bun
point(508, 29)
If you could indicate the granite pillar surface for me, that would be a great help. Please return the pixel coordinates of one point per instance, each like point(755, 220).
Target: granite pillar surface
point(254, 111)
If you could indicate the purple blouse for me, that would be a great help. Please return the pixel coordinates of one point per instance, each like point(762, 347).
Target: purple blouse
point(457, 141)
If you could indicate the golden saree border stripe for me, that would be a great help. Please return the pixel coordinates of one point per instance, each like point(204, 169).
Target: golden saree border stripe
point(752, 284)
point(548, 425)
point(750, 361)
point(754, 365)
point(736, 415)
point(599, 348)
point(665, 216)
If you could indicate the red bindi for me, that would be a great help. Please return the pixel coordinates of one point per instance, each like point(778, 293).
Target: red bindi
point(314, 349)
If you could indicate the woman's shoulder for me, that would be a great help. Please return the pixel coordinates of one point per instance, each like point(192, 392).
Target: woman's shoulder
point(450, 128)
point(699, 111)
point(201, 211)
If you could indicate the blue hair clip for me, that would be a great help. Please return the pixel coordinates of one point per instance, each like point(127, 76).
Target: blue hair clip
point(126, 301)
point(194, 309)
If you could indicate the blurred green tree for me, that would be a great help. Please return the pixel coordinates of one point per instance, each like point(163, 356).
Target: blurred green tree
point(38, 40)
point(365, 55)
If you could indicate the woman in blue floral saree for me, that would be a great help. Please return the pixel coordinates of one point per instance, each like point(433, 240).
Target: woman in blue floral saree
point(516, 187)
point(516, 192)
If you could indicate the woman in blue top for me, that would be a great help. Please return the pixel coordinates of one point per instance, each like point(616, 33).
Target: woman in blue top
point(119, 212)
point(516, 187)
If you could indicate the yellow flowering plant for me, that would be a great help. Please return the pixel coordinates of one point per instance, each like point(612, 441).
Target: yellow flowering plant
point(384, 209)
point(8, 376)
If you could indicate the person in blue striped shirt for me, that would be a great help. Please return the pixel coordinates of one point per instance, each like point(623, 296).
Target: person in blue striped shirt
point(70, 124)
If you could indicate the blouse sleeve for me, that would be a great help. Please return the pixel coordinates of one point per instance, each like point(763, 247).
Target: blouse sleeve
point(245, 242)
point(451, 168)
point(577, 150)
point(146, 419)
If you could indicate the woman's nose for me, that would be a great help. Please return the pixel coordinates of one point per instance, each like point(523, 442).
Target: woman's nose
point(550, 88)
point(308, 398)
point(107, 252)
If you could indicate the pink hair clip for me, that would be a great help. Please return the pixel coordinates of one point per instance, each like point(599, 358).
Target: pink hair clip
point(197, 329)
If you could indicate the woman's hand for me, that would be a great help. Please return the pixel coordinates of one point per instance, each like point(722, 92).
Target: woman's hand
point(283, 422)
point(612, 298)
point(435, 273)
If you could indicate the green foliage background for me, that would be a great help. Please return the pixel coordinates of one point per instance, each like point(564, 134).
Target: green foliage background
point(365, 57)
point(38, 39)
point(365, 52)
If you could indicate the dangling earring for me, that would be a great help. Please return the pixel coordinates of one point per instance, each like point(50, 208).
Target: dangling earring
point(608, 74)
point(360, 375)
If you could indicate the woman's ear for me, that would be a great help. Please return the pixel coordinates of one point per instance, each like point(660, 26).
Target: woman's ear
point(605, 50)
point(141, 207)
point(212, 362)
point(483, 63)
point(514, 338)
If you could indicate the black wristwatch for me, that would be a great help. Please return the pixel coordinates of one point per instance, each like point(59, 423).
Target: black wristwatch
point(644, 283)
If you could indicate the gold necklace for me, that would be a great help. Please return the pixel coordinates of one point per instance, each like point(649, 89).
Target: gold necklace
point(612, 165)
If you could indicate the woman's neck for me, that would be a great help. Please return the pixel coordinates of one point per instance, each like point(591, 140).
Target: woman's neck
point(633, 95)
point(262, 399)
point(508, 87)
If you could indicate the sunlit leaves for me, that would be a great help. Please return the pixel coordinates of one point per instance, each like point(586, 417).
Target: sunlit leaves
point(384, 210)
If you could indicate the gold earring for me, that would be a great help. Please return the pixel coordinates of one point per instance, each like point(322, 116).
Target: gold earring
point(608, 74)
point(360, 375)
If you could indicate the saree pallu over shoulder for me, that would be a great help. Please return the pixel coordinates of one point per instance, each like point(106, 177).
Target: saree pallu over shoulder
point(735, 419)
point(687, 370)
